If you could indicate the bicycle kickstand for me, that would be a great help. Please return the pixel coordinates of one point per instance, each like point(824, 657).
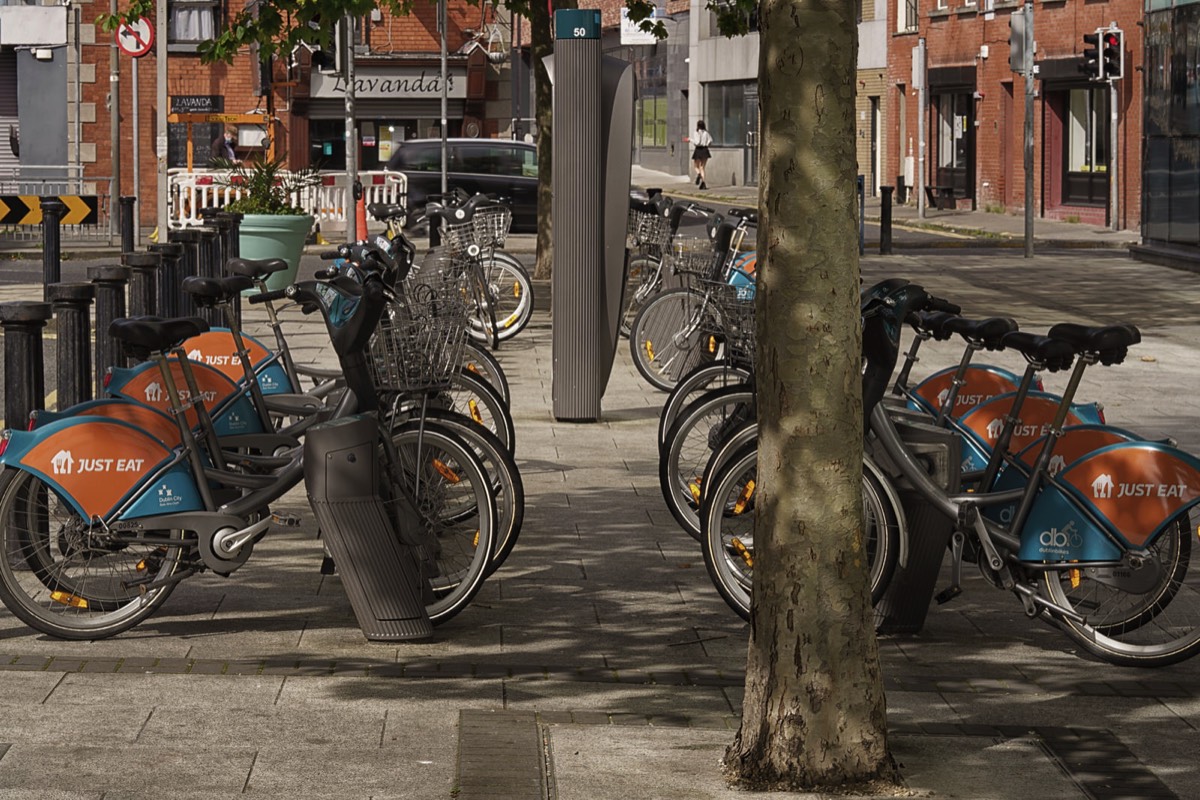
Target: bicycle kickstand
point(957, 544)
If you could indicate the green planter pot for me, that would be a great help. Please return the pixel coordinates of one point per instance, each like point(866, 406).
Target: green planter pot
point(270, 236)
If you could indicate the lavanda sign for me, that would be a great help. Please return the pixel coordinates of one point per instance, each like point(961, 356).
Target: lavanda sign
point(398, 83)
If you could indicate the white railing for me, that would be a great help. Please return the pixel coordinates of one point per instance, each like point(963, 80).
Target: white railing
point(329, 202)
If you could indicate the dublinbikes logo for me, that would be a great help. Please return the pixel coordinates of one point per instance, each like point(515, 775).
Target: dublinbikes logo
point(1060, 542)
point(1105, 487)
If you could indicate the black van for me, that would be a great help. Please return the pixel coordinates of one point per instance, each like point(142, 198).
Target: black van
point(500, 167)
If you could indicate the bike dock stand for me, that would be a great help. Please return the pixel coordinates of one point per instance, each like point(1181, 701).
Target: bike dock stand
point(905, 603)
point(381, 574)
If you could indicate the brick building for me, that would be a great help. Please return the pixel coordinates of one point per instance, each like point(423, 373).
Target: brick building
point(974, 122)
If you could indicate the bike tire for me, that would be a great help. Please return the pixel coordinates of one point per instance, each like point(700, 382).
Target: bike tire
point(503, 475)
point(66, 578)
point(666, 341)
point(481, 362)
point(472, 396)
point(727, 521)
point(1137, 616)
point(450, 494)
point(643, 280)
point(481, 314)
point(700, 429)
point(705, 377)
point(510, 294)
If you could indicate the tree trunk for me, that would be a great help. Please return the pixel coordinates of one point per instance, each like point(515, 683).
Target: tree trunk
point(814, 714)
point(541, 44)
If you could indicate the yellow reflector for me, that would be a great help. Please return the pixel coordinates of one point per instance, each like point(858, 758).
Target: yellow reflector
point(649, 350)
point(475, 540)
point(473, 368)
point(509, 321)
point(1076, 578)
point(516, 289)
point(445, 471)
point(141, 566)
point(68, 600)
point(712, 344)
point(742, 551)
point(744, 497)
point(474, 408)
point(694, 488)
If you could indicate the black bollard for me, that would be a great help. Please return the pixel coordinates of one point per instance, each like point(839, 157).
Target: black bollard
point(230, 225)
point(233, 248)
point(52, 214)
point(72, 304)
point(24, 377)
point(208, 265)
point(885, 220)
point(128, 244)
point(110, 304)
point(143, 294)
point(170, 275)
point(189, 265)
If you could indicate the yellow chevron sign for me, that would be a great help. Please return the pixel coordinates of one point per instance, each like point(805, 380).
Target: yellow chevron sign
point(26, 209)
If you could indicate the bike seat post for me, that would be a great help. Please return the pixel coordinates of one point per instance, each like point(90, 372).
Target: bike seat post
point(957, 382)
point(285, 353)
point(243, 356)
point(196, 401)
point(179, 412)
point(900, 387)
point(996, 459)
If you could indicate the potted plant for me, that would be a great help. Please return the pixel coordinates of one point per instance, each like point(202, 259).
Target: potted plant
point(272, 226)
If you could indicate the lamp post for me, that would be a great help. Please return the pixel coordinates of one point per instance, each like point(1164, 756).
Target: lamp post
point(441, 24)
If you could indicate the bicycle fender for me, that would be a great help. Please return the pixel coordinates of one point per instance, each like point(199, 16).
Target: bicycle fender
point(171, 491)
point(982, 383)
point(984, 423)
point(216, 348)
point(94, 462)
point(148, 419)
point(893, 497)
point(229, 408)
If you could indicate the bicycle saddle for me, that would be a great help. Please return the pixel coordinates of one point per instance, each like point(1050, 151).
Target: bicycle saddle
point(141, 336)
point(986, 332)
point(1109, 343)
point(1042, 351)
point(207, 292)
point(750, 215)
point(934, 323)
point(255, 267)
point(385, 211)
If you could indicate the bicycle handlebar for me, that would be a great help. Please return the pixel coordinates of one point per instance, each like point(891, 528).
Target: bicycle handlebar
point(263, 297)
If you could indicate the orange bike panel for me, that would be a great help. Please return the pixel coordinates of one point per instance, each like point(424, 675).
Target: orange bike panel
point(218, 350)
point(987, 420)
point(146, 387)
point(96, 463)
point(162, 428)
point(1136, 486)
point(1074, 444)
point(980, 386)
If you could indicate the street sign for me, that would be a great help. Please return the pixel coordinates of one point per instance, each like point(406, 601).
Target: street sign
point(135, 38)
point(27, 209)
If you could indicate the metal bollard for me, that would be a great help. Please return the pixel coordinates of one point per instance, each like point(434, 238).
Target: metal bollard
point(233, 248)
point(189, 265)
point(25, 381)
point(885, 220)
point(230, 225)
point(170, 275)
point(208, 265)
point(110, 304)
point(143, 293)
point(128, 245)
point(52, 214)
point(72, 304)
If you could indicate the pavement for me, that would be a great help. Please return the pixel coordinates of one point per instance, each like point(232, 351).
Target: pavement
point(599, 663)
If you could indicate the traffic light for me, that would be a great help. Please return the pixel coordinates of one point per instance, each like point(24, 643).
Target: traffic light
point(1016, 40)
point(1112, 55)
point(1092, 65)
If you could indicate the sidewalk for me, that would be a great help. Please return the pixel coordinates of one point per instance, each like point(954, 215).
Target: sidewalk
point(599, 662)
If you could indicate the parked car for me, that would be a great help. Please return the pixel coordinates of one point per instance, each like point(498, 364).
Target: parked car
point(500, 167)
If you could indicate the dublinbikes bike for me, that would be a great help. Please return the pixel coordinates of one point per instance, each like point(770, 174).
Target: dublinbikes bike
point(100, 519)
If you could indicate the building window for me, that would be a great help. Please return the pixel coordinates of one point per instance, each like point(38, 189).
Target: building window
point(725, 113)
point(906, 15)
point(652, 100)
point(941, 5)
point(1086, 145)
point(193, 21)
point(953, 151)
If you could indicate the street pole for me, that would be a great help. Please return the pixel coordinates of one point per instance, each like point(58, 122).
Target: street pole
point(1114, 196)
point(137, 170)
point(114, 118)
point(160, 148)
point(441, 10)
point(346, 46)
point(922, 112)
point(1029, 91)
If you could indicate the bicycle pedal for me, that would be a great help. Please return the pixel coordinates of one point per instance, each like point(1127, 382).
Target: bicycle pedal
point(327, 566)
point(948, 594)
point(286, 520)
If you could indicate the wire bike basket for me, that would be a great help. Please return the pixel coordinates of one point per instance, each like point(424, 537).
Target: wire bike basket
point(419, 342)
point(648, 230)
point(492, 224)
point(730, 319)
point(692, 257)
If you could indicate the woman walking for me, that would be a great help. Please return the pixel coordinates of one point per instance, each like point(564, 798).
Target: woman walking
point(701, 139)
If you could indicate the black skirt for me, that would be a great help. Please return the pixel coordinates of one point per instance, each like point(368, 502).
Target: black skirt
point(701, 154)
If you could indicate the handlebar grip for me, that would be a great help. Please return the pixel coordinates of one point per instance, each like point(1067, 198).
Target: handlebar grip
point(938, 304)
point(330, 255)
point(326, 274)
point(278, 294)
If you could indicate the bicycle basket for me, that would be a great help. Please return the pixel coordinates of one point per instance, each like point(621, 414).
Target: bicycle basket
point(491, 225)
point(419, 341)
point(648, 229)
point(692, 257)
point(731, 322)
point(458, 238)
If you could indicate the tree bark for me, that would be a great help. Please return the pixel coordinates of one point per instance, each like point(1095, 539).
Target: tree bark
point(814, 714)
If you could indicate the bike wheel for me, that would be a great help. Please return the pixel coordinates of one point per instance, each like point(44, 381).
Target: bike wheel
point(727, 521)
point(509, 294)
point(481, 315)
point(70, 579)
point(700, 429)
point(470, 395)
point(480, 362)
point(641, 282)
point(666, 340)
point(452, 511)
point(503, 475)
point(718, 374)
point(1143, 614)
